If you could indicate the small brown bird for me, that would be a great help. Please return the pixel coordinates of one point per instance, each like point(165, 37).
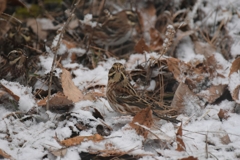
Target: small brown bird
point(113, 29)
point(123, 98)
point(13, 65)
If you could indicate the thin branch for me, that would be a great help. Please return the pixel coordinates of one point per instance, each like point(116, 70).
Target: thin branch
point(55, 48)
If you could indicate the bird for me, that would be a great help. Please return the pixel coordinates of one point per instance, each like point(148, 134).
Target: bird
point(13, 65)
point(113, 29)
point(124, 99)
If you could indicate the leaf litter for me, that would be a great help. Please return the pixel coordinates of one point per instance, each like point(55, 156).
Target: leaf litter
point(182, 58)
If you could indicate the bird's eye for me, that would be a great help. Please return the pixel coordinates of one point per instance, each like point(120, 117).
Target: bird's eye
point(132, 18)
point(111, 70)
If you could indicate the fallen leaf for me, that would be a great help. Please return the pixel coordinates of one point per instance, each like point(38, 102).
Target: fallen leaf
point(93, 96)
point(69, 88)
point(212, 93)
point(36, 27)
point(58, 103)
point(143, 118)
point(180, 143)
point(189, 158)
point(234, 85)
point(5, 155)
point(156, 41)
point(222, 114)
point(60, 152)
point(204, 49)
point(184, 98)
point(141, 47)
point(225, 139)
point(79, 139)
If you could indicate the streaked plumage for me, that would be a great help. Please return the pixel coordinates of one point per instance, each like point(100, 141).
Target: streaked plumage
point(123, 98)
point(113, 29)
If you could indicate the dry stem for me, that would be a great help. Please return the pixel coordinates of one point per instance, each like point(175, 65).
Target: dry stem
point(55, 49)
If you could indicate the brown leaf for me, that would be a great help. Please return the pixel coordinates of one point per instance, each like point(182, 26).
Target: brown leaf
point(235, 66)
point(234, 87)
point(11, 93)
point(222, 114)
point(189, 158)
point(79, 139)
point(141, 46)
point(180, 143)
point(184, 97)
point(92, 96)
point(144, 117)
point(204, 49)
point(69, 88)
point(37, 28)
point(156, 41)
point(174, 66)
point(58, 103)
point(60, 152)
point(5, 155)
point(225, 139)
point(212, 93)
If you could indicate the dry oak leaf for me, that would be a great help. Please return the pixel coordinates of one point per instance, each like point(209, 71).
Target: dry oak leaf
point(223, 114)
point(212, 93)
point(60, 152)
point(141, 46)
point(189, 158)
point(180, 143)
point(5, 155)
point(235, 66)
point(58, 103)
point(143, 118)
point(234, 84)
point(79, 139)
point(185, 98)
point(156, 39)
point(69, 88)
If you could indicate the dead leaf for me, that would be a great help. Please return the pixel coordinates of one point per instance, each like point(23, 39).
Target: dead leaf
point(223, 114)
point(174, 66)
point(180, 143)
point(144, 118)
point(212, 93)
point(37, 28)
point(69, 88)
point(185, 98)
point(79, 139)
point(235, 66)
point(204, 49)
point(5, 155)
point(234, 86)
point(58, 103)
point(141, 47)
point(189, 158)
point(156, 41)
point(60, 152)
point(11, 93)
point(93, 96)
point(225, 139)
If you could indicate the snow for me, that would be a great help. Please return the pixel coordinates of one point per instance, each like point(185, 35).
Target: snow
point(88, 21)
point(202, 129)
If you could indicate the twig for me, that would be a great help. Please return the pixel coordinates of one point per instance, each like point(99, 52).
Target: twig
point(55, 48)
point(191, 14)
point(206, 146)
